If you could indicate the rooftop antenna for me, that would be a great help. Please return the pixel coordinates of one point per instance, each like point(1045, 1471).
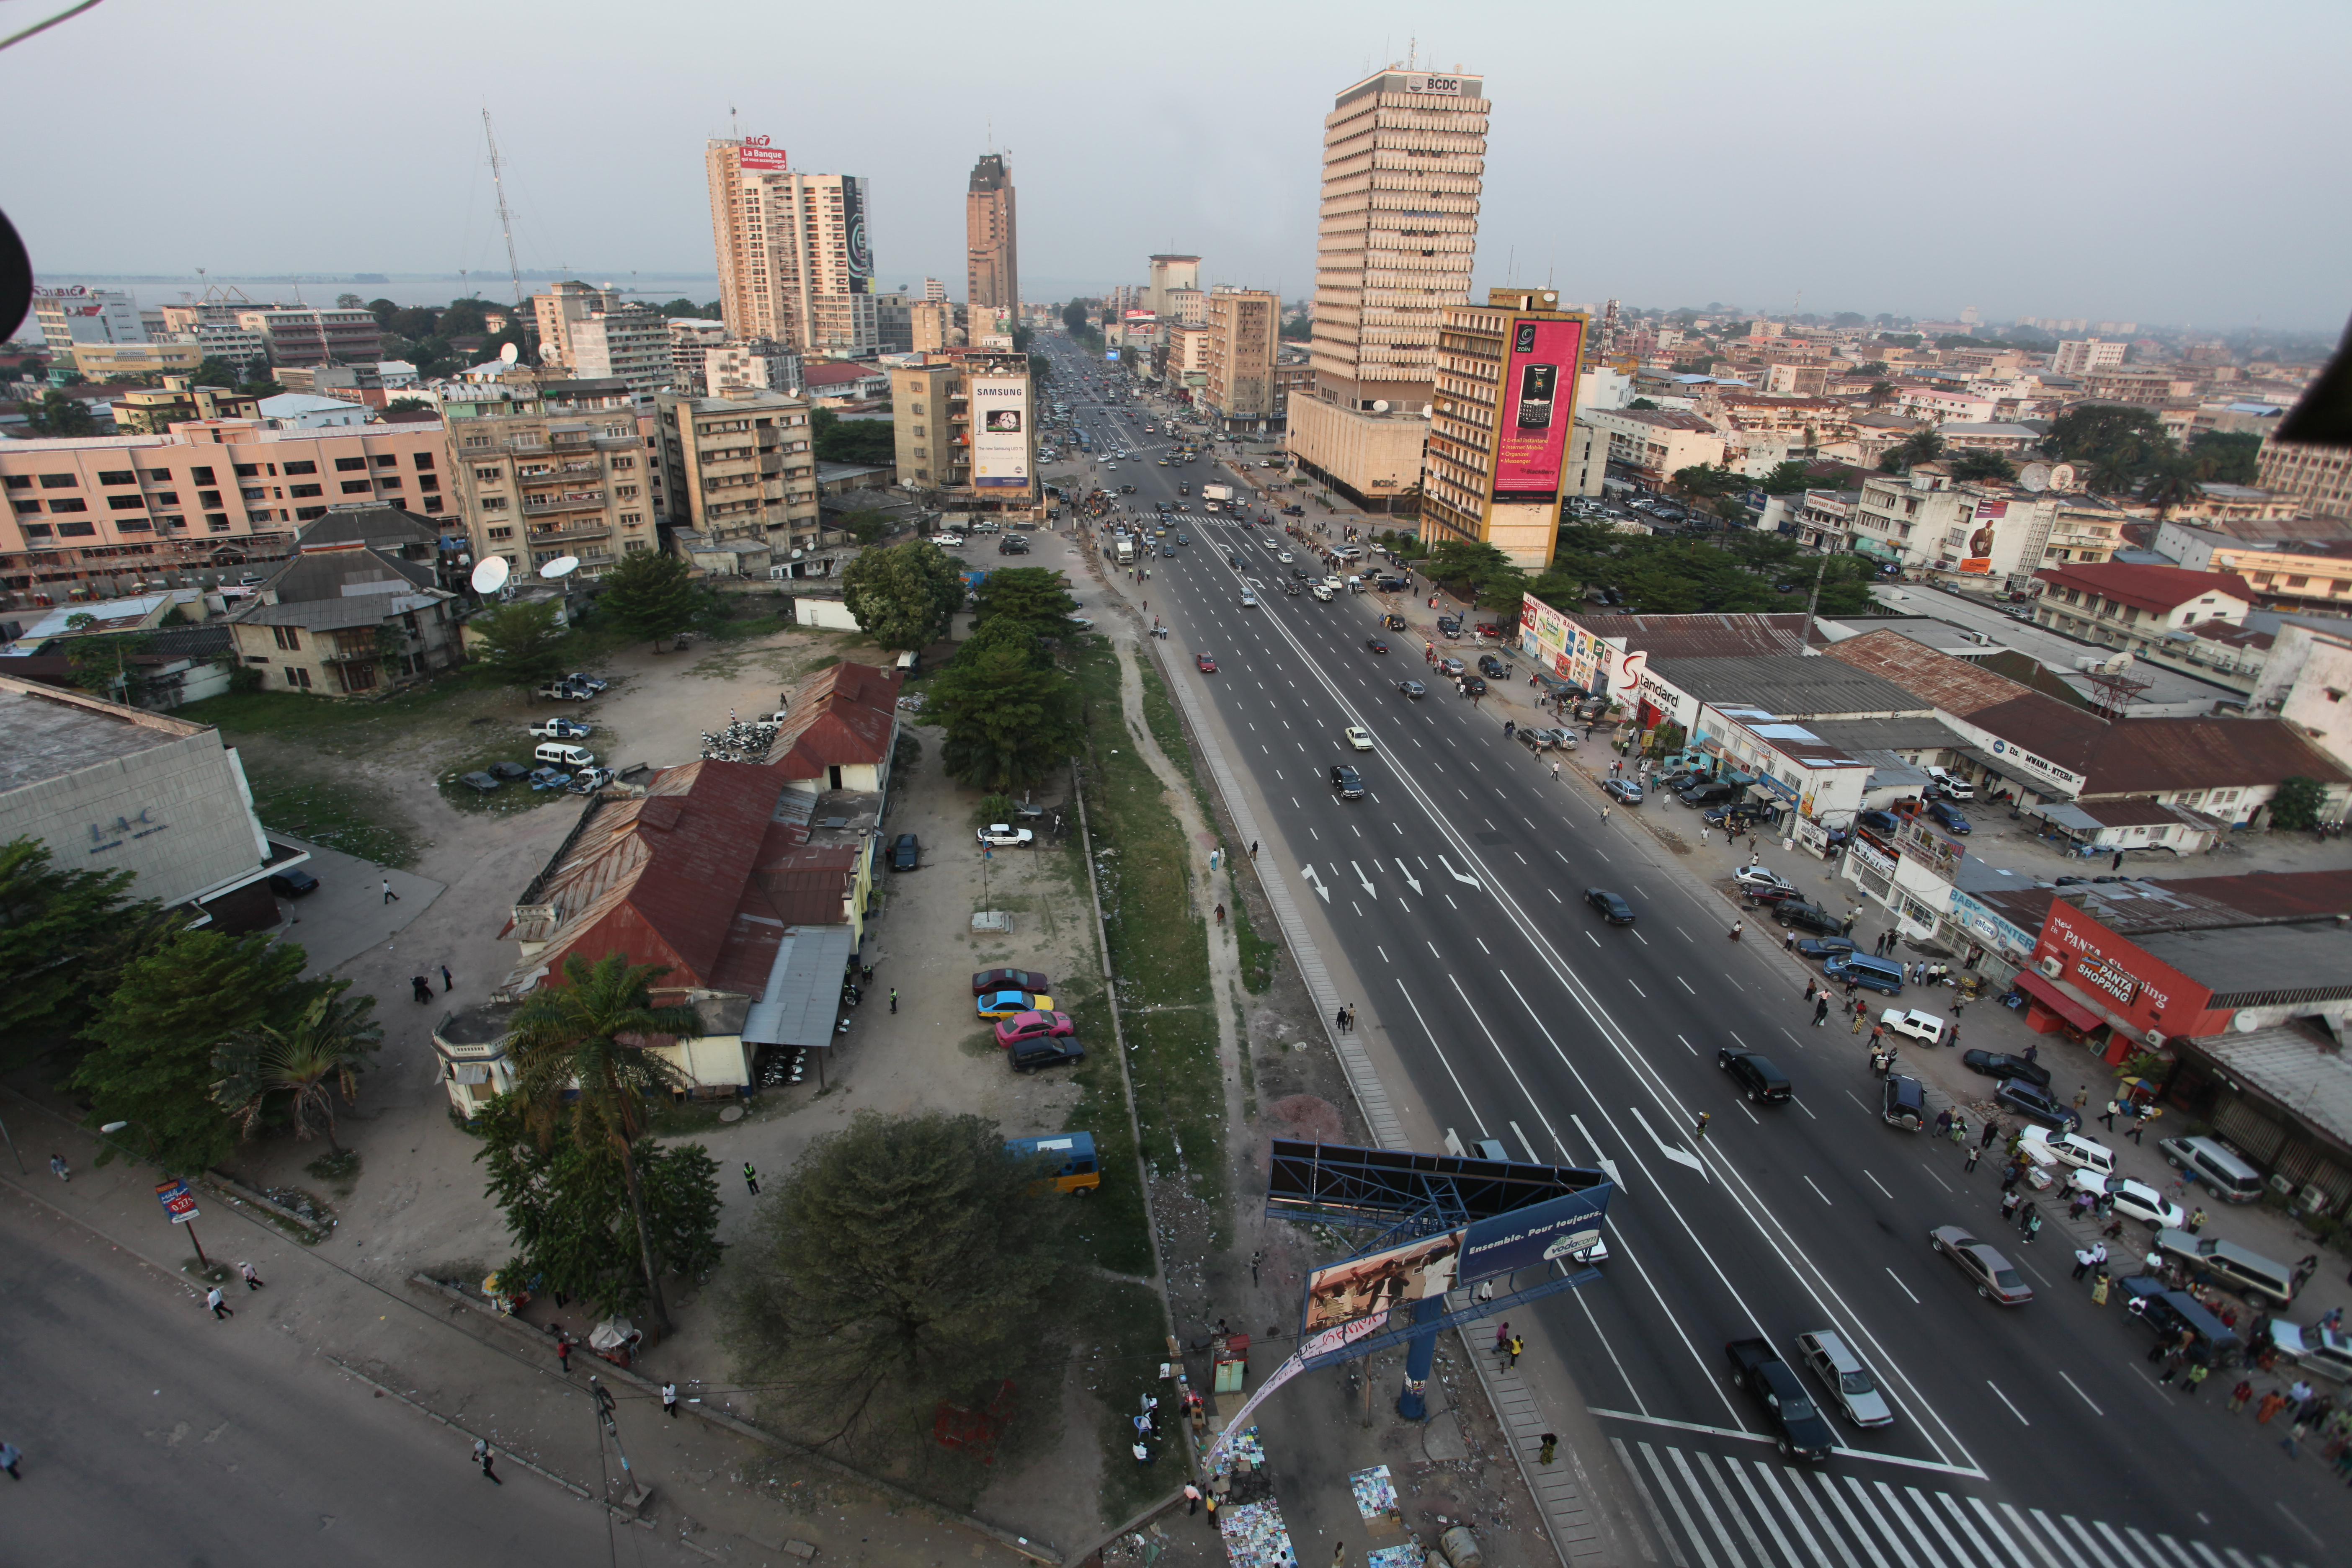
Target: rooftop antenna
point(1411, 52)
point(506, 218)
point(734, 132)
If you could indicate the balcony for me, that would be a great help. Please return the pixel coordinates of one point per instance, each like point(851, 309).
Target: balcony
point(571, 501)
point(562, 531)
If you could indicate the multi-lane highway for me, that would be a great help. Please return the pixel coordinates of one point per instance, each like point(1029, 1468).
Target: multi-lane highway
point(1451, 897)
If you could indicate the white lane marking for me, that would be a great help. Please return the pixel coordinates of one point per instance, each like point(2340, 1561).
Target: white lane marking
point(1679, 1156)
point(1442, 1056)
point(1901, 1287)
point(1315, 881)
point(1637, 990)
point(1818, 1193)
point(2014, 1410)
point(1873, 1180)
point(1684, 984)
point(1410, 881)
point(1608, 1167)
point(1458, 876)
point(1361, 880)
point(1687, 1045)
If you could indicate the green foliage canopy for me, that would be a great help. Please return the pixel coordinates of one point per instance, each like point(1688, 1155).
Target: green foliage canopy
point(650, 594)
point(902, 595)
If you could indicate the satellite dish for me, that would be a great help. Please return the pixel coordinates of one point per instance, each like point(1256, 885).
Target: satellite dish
point(2034, 477)
point(562, 566)
point(491, 575)
point(1380, 405)
point(2062, 477)
point(510, 352)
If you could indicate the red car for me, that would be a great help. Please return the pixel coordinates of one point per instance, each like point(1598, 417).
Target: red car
point(1023, 1026)
point(1208, 666)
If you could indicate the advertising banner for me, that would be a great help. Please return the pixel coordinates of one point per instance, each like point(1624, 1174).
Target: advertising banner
point(1538, 398)
point(1000, 442)
point(853, 222)
point(179, 1204)
point(1369, 1287)
point(758, 156)
point(1983, 528)
point(1530, 1238)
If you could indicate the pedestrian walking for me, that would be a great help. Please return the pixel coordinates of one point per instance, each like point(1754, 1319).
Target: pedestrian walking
point(218, 1303)
point(1789, 941)
point(482, 1457)
point(1702, 835)
point(1502, 1338)
point(1821, 1010)
point(1698, 1128)
point(2082, 1096)
point(1221, 914)
point(669, 1400)
point(563, 1352)
point(421, 988)
point(9, 1456)
point(1210, 1502)
point(2272, 1402)
point(1253, 848)
point(252, 1279)
point(1971, 1163)
point(2198, 1373)
point(894, 999)
point(1550, 1446)
point(1512, 1351)
point(2033, 1224)
point(2138, 1126)
point(60, 1169)
point(1858, 1014)
point(1991, 1131)
point(1604, 813)
point(1142, 1453)
point(1192, 1498)
point(389, 896)
point(750, 1178)
point(2008, 1201)
point(447, 982)
point(2107, 1117)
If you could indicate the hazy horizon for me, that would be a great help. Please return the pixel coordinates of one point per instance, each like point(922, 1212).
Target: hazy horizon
point(1778, 161)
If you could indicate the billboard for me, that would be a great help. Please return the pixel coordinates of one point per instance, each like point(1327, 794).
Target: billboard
point(1530, 1238)
point(1538, 398)
point(1983, 528)
point(758, 157)
point(852, 223)
point(1366, 1288)
point(1000, 440)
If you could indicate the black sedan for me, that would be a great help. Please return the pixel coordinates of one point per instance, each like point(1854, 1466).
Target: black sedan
point(1808, 917)
point(1490, 666)
point(906, 853)
point(293, 883)
point(1473, 686)
point(2001, 1064)
point(2034, 1103)
point(1821, 947)
point(1756, 1077)
point(1376, 644)
point(1611, 908)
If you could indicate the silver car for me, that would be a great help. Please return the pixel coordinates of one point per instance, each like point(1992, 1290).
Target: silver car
point(1851, 1386)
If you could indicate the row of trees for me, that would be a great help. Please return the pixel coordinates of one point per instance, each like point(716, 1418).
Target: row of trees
point(650, 595)
point(1741, 571)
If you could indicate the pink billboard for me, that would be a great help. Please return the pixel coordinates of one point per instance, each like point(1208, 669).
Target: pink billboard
point(755, 153)
point(1538, 398)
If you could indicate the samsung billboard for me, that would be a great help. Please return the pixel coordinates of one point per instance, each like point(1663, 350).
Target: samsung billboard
point(1000, 442)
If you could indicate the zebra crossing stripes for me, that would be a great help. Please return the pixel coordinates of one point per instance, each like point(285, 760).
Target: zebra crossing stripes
point(1723, 1511)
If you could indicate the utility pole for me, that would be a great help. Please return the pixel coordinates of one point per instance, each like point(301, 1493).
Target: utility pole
point(506, 218)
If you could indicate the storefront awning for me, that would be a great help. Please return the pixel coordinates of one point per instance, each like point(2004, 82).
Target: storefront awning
point(2057, 1001)
point(2015, 772)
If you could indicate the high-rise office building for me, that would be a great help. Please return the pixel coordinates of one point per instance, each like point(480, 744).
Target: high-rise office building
point(992, 256)
point(1169, 273)
point(1404, 164)
point(1501, 418)
point(793, 262)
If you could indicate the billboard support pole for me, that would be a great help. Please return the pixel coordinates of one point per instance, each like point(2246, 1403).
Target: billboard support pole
point(1420, 1352)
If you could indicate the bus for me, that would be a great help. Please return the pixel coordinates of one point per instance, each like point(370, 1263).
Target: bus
point(1079, 1172)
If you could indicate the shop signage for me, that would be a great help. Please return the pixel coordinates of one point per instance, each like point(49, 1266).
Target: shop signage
point(2108, 977)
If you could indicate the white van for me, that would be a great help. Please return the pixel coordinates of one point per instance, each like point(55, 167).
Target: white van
point(1953, 788)
point(555, 753)
point(2074, 1149)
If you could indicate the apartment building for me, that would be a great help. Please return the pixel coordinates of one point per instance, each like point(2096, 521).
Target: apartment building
point(2081, 356)
point(1657, 443)
point(201, 495)
point(985, 461)
point(149, 409)
point(760, 365)
point(103, 363)
point(794, 260)
point(301, 334)
point(2320, 477)
point(594, 334)
point(1243, 326)
point(691, 338)
point(738, 474)
point(548, 469)
point(894, 321)
point(76, 315)
point(1825, 520)
point(1187, 365)
point(933, 326)
point(991, 251)
point(345, 617)
point(2300, 575)
point(1404, 168)
point(1501, 417)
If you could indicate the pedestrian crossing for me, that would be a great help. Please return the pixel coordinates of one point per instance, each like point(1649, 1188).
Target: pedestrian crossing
point(1723, 1511)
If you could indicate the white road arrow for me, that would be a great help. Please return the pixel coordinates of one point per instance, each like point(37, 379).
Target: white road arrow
point(1460, 876)
point(1608, 1166)
point(1316, 883)
point(1361, 880)
point(1408, 877)
point(1674, 1151)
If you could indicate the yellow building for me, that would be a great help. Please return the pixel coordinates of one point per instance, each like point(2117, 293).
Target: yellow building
point(123, 361)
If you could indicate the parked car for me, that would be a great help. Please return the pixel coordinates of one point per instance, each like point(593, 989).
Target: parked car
point(1714, 792)
point(561, 730)
point(1006, 1003)
point(2133, 1199)
point(1490, 666)
point(2001, 1064)
point(293, 883)
point(1045, 1051)
point(2035, 1104)
point(1750, 877)
point(1761, 1081)
point(1611, 908)
point(1009, 980)
point(591, 684)
point(1904, 1103)
point(509, 771)
point(1925, 1027)
point(1995, 1278)
point(1881, 823)
point(1851, 1386)
point(1772, 895)
point(484, 783)
point(549, 778)
point(1003, 835)
point(1947, 817)
point(1808, 917)
point(1452, 668)
point(906, 852)
point(1622, 790)
point(1032, 1026)
point(1758, 1368)
point(1824, 947)
point(2314, 1349)
point(2170, 1314)
point(1473, 686)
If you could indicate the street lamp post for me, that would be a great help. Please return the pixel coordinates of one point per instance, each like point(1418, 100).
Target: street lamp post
point(179, 1208)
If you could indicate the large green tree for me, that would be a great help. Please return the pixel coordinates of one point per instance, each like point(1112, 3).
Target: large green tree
point(2297, 803)
point(59, 415)
point(1702, 481)
point(158, 1032)
point(1011, 717)
point(1917, 448)
point(1983, 466)
point(1476, 571)
point(580, 1055)
point(2090, 431)
point(650, 594)
point(55, 925)
point(323, 1049)
point(839, 440)
point(1074, 316)
point(903, 594)
point(103, 664)
point(566, 1204)
point(520, 643)
point(2171, 481)
point(903, 1260)
point(1037, 595)
point(2225, 457)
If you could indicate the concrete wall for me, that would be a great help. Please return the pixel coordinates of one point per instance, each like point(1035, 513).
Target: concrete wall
point(177, 813)
point(830, 614)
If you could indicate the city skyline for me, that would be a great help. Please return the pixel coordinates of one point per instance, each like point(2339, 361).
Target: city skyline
point(1609, 174)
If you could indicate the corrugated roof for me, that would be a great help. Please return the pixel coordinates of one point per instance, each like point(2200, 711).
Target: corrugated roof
point(2043, 725)
point(842, 716)
point(2294, 1067)
point(2161, 589)
point(1789, 686)
point(1666, 637)
point(2144, 756)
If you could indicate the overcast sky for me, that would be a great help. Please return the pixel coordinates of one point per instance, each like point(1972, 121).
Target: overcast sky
point(2158, 161)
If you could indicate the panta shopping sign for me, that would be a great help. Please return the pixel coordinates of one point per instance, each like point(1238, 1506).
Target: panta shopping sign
point(2108, 977)
point(1538, 398)
point(1000, 446)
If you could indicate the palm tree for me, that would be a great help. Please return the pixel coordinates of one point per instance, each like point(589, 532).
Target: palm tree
point(1981, 465)
point(1920, 446)
point(326, 1049)
point(2112, 470)
point(1882, 393)
point(2172, 481)
point(586, 1040)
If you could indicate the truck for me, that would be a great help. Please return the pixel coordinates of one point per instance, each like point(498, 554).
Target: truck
point(1123, 551)
point(1216, 492)
point(1804, 1431)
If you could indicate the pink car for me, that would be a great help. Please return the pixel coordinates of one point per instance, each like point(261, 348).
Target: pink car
point(1032, 1026)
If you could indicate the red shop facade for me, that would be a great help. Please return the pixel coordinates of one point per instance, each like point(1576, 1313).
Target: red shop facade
point(2085, 979)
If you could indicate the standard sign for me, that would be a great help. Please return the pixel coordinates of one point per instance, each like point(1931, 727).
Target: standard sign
point(179, 1204)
